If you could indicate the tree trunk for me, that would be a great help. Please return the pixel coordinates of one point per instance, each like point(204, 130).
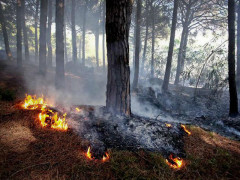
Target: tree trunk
point(103, 30)
point(49, 33)
point(97, 40)
point(84, 33)
point(238, 47)
point(231, 59)
point(184, 51)
point(146, 38)
point(65, 43)
point(153, 41)
point(118, 18)
point(171, 46)
point(74, 43)
point(42, 39)
point(36, 30)
point(25, 34)
point(19, 33)
point(59, 44)
point(79, 52)
point(137, 43)
point(5, 34)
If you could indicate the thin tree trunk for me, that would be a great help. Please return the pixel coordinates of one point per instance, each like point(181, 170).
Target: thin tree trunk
point(59, 44)
point(36, 30)
point(118, 19)
point(146, 38)
point(103, 30)
point(97, 41)
point(5, 34)
point(80, 47)
point(137, 43)
point(74, 43)
point(171, 46)
point(84, 34)
point(42, 39)
point(231, 59)
point(49, 33)
point(25, 34)
point(184, 51)
point(65, 43)
point(153, 41)
point(238, 47)
point(19, 33)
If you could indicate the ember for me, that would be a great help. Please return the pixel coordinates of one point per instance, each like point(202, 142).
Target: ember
point(185, 129)
point(175, 163)
point(105, 157)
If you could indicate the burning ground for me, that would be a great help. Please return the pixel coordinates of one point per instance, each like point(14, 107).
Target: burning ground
point(133, 148)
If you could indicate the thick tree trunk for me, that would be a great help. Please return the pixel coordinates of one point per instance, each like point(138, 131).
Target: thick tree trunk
point(19, 33)
point(5, 34)
point(84, 34)
point(238, 47)
point(59, 44)
point(42, 39)
point(146, 38)
point(231, 59)
point(49, 33)
point(153, 41)
point(118, 18)
point(171, 46)
point(137, 43)
point(74, 42)
point(36, 30)
point(25, 34)
point(103, 30)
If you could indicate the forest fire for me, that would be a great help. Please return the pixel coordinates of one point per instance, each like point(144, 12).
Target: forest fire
point(168, 125)
point(175, 163)
point(89, 155)
point(105, 157)
point(185, 129)
point(47, 117)
point(31, 102)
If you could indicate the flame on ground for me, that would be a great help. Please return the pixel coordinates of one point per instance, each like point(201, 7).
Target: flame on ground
point(185, 129)
point(175, 163)
point(88, 154)
point(168, 125)
point(105, 157)
point(31, 102)
point(47, 117)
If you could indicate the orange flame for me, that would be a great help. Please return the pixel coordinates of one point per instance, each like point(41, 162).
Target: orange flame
point(168, 125)
point(31, 102)
point(176, 163)
point(78, 110)
point(88, 154)
point(185, 129)
point(105, 157)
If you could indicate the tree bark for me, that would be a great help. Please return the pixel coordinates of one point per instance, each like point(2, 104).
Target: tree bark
point(19, 33)
point(36, 30)
point(49, 33)
point(97, 41)
point(171, 46)
point(5, 34)
point(118, 18)
point(65, 42)
point(137, 43)
point(238, 47)
point(184, 51)
point(59, 79)
point(231, 59)
point(74, 42)
point(146, 38)
point(103, 30)
point(84, 33)
point(25, 34)
point(42, 39)
point(153, 41)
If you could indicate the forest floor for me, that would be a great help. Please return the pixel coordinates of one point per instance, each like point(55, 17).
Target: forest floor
point(28, 151)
